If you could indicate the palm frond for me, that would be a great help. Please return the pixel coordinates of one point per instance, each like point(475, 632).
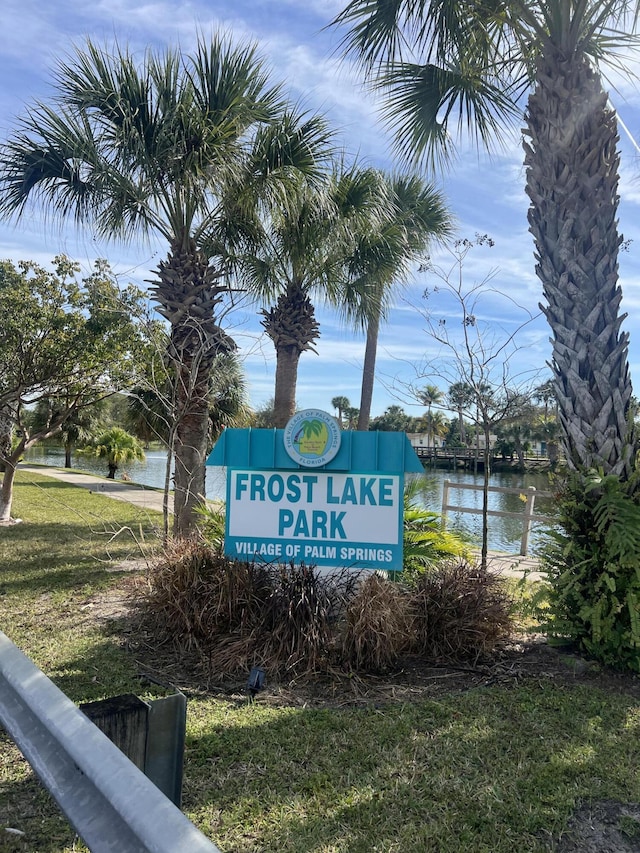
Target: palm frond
point(422, 101)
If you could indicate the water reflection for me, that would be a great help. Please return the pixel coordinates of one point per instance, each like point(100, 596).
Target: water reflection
point(504, 533)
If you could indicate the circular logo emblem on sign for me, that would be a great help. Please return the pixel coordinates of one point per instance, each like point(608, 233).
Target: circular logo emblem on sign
point(312, 438)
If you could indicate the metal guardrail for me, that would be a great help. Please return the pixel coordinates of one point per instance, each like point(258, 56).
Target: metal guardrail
point(527, 516)
point(111, 804)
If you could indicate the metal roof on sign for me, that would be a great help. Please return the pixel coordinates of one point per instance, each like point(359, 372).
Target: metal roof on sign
point(375, 452)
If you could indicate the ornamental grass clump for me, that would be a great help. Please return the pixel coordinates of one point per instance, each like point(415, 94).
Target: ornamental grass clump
point(195, 595)
point(301, 613)
point(460, 613)
point(238, 614)
point(295, 620)
point(378, 626)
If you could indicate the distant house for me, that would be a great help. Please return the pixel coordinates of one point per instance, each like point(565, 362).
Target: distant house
point(421, 439)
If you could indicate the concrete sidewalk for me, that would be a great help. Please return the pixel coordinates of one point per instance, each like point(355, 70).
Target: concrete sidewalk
point(142, 496)
point(513, 565)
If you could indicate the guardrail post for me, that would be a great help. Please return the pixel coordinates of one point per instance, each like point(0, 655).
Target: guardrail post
point(151, 735)
point(111, 804)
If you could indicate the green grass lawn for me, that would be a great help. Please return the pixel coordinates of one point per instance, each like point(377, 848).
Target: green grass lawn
point(495, 768)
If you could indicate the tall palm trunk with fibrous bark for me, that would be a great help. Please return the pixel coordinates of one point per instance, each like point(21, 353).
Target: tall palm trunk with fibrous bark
point(188, 289)
point(441, 62)
point(572, 178)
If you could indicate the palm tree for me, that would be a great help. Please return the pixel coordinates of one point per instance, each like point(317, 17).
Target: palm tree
point(303, 251)
point(546, 395)
point(228, 405)
point(352, 414)
point(147, 414)
point(414, 215)
point(116, 445)
point(438, 426)
point(547, 429)
point(341, 404)
point(445, 62)
point(156, 150)
point(429, 395)
point(460, 396)
point(77, 428)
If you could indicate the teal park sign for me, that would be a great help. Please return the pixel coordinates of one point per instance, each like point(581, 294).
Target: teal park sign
point(316, 494)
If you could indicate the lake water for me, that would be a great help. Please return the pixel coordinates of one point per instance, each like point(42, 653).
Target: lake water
point(504, 533)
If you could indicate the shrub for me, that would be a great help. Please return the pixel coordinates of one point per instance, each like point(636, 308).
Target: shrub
point(241, 614)
point(212, 523)
point(300, 616)
point(425, 543)
point(293, 620)
point(593, 568)
point(460, 613)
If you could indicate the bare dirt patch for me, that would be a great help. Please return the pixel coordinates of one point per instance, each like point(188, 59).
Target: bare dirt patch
point(604, 827)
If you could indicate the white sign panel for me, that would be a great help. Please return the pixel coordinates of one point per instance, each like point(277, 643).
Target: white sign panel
point(328, 518)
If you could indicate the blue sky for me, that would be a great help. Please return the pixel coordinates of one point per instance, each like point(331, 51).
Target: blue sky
point(485, 194)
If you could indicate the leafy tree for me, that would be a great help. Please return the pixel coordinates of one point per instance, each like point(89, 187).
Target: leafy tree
point(442, 62)
point(62, 341)
point(158, 149)
point(394, 419)
point(452, 437)
point(117, 446)
point(6, 433)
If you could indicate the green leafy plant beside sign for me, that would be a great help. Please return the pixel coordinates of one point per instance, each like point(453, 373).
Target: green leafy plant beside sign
point(593, 566)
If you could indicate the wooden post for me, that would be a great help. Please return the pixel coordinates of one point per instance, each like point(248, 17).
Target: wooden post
point(445, 501)
point(526, 525)
point(124, 721)
point(151, 735)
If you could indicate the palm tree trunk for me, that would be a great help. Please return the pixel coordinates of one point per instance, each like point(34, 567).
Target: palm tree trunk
point(292, 326)
point(284, 400)
point(189, 294)
point(572, 179)
point(368, 372)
